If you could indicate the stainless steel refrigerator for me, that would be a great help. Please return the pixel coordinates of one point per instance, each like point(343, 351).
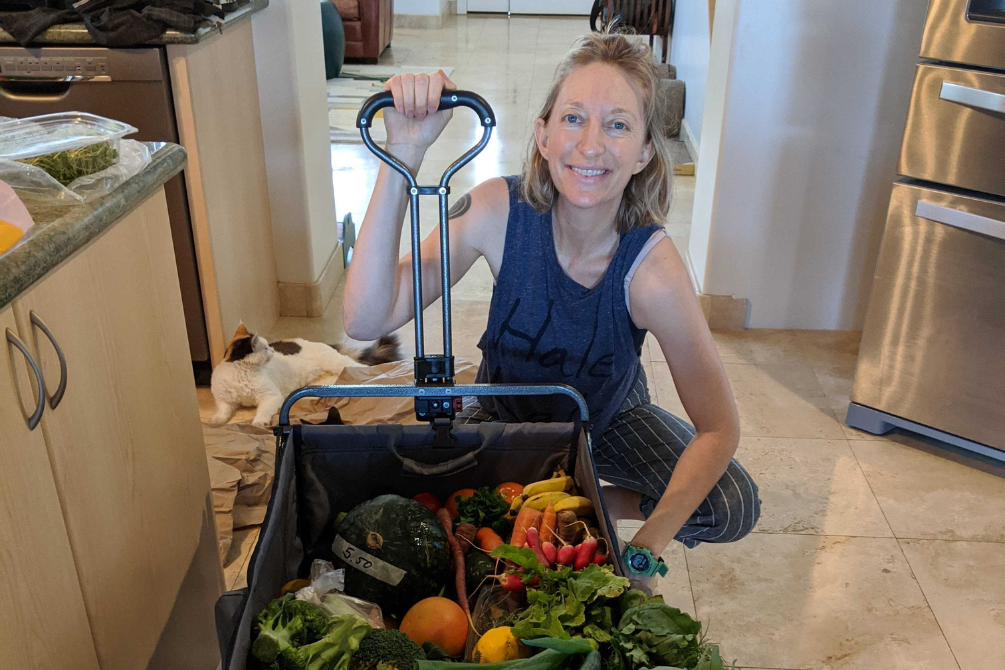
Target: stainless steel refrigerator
point(932, 358)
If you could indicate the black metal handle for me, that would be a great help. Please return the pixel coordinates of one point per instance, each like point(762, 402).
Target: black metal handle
point(36, 416)
point(403, 391)
point(56, 397)
point(448, 100)
point(487, 119)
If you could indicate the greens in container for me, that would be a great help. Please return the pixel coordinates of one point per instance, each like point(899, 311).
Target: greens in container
point(67, 145)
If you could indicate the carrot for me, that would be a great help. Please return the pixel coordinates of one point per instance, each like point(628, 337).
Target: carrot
point(459, 573)
point(488, 539)
point(548, 524)
point(527, 518)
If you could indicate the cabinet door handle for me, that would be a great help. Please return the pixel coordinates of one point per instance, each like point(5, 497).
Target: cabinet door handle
point(973, 97)
point(36, 416)
point(36, 321)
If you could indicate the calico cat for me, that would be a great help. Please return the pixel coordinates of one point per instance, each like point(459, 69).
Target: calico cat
point(255, 373)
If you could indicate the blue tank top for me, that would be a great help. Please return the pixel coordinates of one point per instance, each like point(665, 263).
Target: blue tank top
point(544, 327)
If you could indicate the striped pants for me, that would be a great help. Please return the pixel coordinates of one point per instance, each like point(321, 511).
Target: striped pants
point(639, 450)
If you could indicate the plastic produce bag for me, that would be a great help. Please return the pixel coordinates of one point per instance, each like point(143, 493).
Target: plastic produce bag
point(34, 184)
point(324, 592)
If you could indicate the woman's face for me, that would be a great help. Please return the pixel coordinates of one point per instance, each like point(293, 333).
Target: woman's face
point(595, 138)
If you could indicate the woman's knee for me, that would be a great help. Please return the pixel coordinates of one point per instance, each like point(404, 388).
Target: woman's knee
point(738, 506)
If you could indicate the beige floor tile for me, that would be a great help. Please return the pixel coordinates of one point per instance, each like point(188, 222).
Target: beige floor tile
point(928, 493)
point(827, 348)
point(965, 587)
point(758, 346)
point(812, 487)
point(836, 381)
point(781, 401)
point(799, 601)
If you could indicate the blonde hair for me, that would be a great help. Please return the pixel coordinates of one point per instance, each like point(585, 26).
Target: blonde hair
point(647, 195)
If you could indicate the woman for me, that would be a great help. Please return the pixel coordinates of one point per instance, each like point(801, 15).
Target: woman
point(583, 270)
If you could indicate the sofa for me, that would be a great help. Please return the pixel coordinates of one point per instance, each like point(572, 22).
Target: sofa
point(368, 26)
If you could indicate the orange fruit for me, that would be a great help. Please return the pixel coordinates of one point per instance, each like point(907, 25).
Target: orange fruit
point(428, 500)
point(437, 620)
point(452, 501)
point(509, 490)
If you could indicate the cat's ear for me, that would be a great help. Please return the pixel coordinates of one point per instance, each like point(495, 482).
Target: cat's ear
point(241, 331)
point(259, 344)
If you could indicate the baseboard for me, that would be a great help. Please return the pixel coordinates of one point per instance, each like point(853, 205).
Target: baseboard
point(311, 299)
point(725, 312)
point(419, 21)
point(688, 137)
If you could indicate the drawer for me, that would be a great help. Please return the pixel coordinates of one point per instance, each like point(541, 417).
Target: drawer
point(971, 32)
point(955, 131)
point(931, 349)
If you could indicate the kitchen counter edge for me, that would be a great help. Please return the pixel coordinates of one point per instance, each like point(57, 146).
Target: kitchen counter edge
point(49, 244)
point(75, 34)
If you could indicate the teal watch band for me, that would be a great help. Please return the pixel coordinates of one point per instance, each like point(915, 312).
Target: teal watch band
point(640, 562)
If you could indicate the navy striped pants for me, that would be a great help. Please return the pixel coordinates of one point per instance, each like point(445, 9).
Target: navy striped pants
point(639, 450)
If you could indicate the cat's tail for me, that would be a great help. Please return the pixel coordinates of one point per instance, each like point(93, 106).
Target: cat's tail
point(385, 350)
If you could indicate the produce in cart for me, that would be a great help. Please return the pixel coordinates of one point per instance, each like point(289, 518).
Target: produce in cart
point(394, 551)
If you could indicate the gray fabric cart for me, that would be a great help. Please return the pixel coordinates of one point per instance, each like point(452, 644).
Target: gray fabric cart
point(322, 470)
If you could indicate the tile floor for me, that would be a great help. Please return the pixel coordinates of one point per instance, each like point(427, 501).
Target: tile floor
point(871, 552)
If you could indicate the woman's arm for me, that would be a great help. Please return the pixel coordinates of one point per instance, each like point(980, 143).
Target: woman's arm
point(378, 294)
point(663, 301)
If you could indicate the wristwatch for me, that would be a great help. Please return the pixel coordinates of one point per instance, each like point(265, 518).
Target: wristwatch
point(640, 562)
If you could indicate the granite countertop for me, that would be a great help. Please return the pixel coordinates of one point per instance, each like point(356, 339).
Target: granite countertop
point(76, 33)
point(59, 232)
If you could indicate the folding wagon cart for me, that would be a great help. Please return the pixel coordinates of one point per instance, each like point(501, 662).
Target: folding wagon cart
point(323, 470)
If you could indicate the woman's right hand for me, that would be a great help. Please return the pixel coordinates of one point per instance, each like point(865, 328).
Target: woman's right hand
point(416, 120)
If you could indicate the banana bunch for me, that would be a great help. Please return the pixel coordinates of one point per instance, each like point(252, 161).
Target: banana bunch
point(557, 491)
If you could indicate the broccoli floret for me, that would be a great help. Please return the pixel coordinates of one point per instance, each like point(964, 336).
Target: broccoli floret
point(390, 647)
point(285, 622)
point(332, 652)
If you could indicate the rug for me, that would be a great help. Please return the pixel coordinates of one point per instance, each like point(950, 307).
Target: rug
point(347, 93)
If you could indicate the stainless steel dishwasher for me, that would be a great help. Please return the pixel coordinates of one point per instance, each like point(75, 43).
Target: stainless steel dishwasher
point(130, 85)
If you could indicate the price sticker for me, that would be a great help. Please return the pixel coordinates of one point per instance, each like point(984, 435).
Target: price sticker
point(367, 563)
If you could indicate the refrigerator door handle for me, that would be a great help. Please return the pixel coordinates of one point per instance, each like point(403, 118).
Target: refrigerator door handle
point(960, 219)
point(972, 97)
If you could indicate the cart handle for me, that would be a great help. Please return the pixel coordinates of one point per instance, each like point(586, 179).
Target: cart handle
point(403, 391)
point(448, 100)
point(364, 120)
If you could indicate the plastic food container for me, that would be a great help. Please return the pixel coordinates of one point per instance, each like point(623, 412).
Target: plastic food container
point(40, 135)
point(67, 145)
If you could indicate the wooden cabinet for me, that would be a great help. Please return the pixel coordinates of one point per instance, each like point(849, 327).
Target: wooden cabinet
point(125, 446)
point(42, 620)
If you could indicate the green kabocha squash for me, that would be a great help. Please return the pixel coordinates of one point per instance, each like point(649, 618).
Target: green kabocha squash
point(394, 551)
point(478, 566)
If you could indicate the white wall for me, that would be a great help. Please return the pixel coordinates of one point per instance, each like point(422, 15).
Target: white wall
point(289, 57)
point(689, 51)
point(813, 101)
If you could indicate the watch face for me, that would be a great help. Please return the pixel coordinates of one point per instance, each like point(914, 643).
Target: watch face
point(639, 562)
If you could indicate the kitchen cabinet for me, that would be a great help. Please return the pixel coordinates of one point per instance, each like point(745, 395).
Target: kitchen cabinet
point(124, 446)
point(39, 588)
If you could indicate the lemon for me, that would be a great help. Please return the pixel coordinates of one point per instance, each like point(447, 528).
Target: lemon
point(498, 645)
